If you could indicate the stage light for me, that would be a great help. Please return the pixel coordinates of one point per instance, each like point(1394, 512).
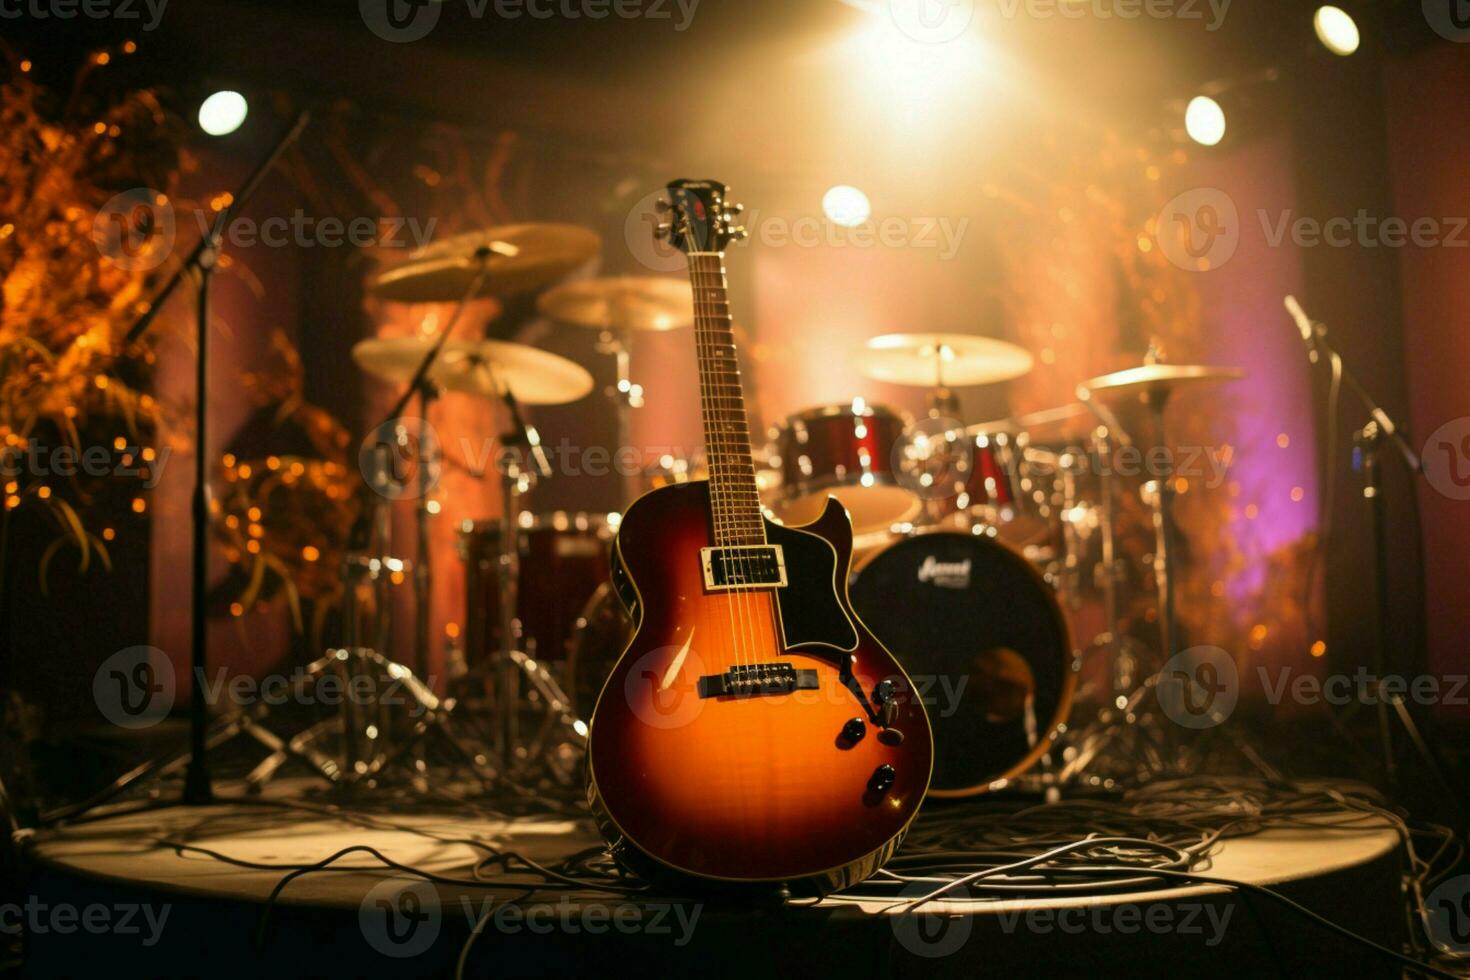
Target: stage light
point(223, 113)
point(846, 206)
point(1336, 29)
point(904, 78)
point(1204, 120)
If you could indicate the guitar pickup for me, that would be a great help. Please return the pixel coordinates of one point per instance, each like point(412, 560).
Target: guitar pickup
point(743, 566)
point(754, 679)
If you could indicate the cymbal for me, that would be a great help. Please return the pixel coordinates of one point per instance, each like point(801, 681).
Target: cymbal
point(522, 258)
point(936, 360)
point(1065, 421)
point(478, 367)
point(621, 303)
point(1149, 378)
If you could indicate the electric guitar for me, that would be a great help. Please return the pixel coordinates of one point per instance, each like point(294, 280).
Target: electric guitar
point(753, 733)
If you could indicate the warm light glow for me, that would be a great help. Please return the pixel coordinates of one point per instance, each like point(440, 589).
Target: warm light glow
point(1204, 120)
point(1337, 30)
point(846, 206)
point(905, 77)
point(223, 113)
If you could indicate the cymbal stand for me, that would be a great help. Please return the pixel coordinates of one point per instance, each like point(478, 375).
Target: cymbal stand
point(625, 396)
point(1162, 504)
point(516, 480)
point(369, 732)
point(1122, 727)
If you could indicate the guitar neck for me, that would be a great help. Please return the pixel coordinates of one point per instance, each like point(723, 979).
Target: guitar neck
point(734, 500)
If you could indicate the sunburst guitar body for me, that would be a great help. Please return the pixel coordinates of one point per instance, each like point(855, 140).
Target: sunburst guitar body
point(753, 734)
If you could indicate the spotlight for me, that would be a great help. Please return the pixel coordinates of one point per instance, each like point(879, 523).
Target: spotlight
point(222, 113)
point(1204, 120)
point(846, 206)
point(1336, 29)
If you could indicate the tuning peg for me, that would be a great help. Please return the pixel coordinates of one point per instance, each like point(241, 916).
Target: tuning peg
point(739, 234)
point(663, 231)
point(735, 209)
point(662, 205)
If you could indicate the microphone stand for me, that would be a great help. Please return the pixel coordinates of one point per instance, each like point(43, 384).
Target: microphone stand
point(201, 265)
point(1368, 443)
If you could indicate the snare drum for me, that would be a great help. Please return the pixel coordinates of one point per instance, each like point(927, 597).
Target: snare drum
point(564, 557)
point(845, 451)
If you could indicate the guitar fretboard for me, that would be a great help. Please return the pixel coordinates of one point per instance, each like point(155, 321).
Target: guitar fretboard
point(734, 499)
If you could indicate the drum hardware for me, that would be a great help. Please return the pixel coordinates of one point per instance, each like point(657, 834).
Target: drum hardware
point(564, 558)
point(1156, 381)
point(981, 630)
point(490, 262)
point(618, 307)
point(845, 451)
point(939, 361)
point(476, 367)
point(496, 262)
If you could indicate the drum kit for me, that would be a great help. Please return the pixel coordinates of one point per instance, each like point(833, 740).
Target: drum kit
point(974, 541)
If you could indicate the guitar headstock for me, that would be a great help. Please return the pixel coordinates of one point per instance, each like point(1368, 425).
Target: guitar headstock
point(700, 216)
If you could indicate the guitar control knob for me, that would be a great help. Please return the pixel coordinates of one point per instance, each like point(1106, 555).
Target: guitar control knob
point(885, 702)
point(854, 730)
point(891, 736)
point(882, 778)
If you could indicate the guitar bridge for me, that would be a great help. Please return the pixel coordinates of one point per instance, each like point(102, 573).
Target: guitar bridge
point(747, 566)
point(753, 679)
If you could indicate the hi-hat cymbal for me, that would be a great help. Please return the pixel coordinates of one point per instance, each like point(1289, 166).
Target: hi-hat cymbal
point(937, 360)
point(520, 258)
point(1149, 378)
point(621, 303)
point(478, 367)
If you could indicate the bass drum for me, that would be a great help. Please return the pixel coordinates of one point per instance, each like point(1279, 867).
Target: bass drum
point(598, 639)
point(986, 645)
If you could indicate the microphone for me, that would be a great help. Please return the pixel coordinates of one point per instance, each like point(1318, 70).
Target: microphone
point(1303, 322)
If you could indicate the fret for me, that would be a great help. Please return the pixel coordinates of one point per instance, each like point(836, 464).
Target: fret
point(734, 500)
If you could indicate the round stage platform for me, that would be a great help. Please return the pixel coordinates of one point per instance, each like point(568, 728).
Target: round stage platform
point(191, 913)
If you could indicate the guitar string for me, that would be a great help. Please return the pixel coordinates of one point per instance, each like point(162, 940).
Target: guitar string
point(725, 375)
point(738, 463)
point(740, 599)
point(719, 511)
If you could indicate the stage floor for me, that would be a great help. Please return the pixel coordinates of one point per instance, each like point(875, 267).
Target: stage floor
point(195, 914)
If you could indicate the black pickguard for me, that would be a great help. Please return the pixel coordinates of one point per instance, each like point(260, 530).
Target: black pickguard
point(813, 618)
